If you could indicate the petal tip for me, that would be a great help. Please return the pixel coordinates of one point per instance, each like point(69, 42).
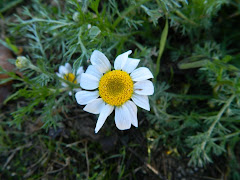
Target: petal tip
point(148, 108)
point(129, 52)
point(135, 125)
point(96, 131)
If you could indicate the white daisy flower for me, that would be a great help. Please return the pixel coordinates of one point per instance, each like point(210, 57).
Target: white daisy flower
point(120, 89)
point(66, 72)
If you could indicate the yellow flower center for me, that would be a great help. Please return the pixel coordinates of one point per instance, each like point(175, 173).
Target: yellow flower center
point(70, 77)
point(116, 87)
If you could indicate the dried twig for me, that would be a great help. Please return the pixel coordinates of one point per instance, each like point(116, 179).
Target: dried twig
point(87, 161)
point(14, 152)
point(149, 166)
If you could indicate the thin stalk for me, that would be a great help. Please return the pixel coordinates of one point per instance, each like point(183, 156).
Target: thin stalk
point(189, 97)
point(161, 47)
point(218, 117)
point(190, 65)
point(47, 21)
point(180, 14)
point(227, 136)
point(10, 5)
point(128, 10)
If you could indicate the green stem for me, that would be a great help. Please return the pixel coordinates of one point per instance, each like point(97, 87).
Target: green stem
point(161, 47)
point(227, 136)
point(219, 115)
point(190, 65)
point(187, 97)
point(10, 5)
point(35, 68)
point(128, 10)
point(83, 48)
point(180, 14)
point(47, 21)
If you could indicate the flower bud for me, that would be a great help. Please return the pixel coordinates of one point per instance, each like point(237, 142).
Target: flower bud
point(22, 62)
point(89, 26)
point(76, 16)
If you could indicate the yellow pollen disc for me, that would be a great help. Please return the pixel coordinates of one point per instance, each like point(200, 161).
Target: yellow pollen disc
point(70, 77)
point(116, 87)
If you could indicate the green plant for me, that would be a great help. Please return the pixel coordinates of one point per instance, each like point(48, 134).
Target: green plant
point(192, 50)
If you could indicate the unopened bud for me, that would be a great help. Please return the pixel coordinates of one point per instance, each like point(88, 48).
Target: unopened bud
point(76, 16)
point(22, 62)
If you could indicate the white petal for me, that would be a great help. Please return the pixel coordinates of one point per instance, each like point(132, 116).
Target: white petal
point(121, 59)
point(85, 97)
point(105, 112)
point(130, 65)
point(70, 93)
point(95, 106)
point(88, 81)
point(68, 67)
point(144, 87)
point(141, 74)
point(77, 89)
point(80, 70)
point(132, 108)
point(94, 71)
point(122, 117)
point(141, 101)
point(63, 70)
point(99, 60)
point(59, 75)
point(78, 78)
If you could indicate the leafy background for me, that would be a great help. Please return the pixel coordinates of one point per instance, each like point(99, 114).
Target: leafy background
point(192, 131)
